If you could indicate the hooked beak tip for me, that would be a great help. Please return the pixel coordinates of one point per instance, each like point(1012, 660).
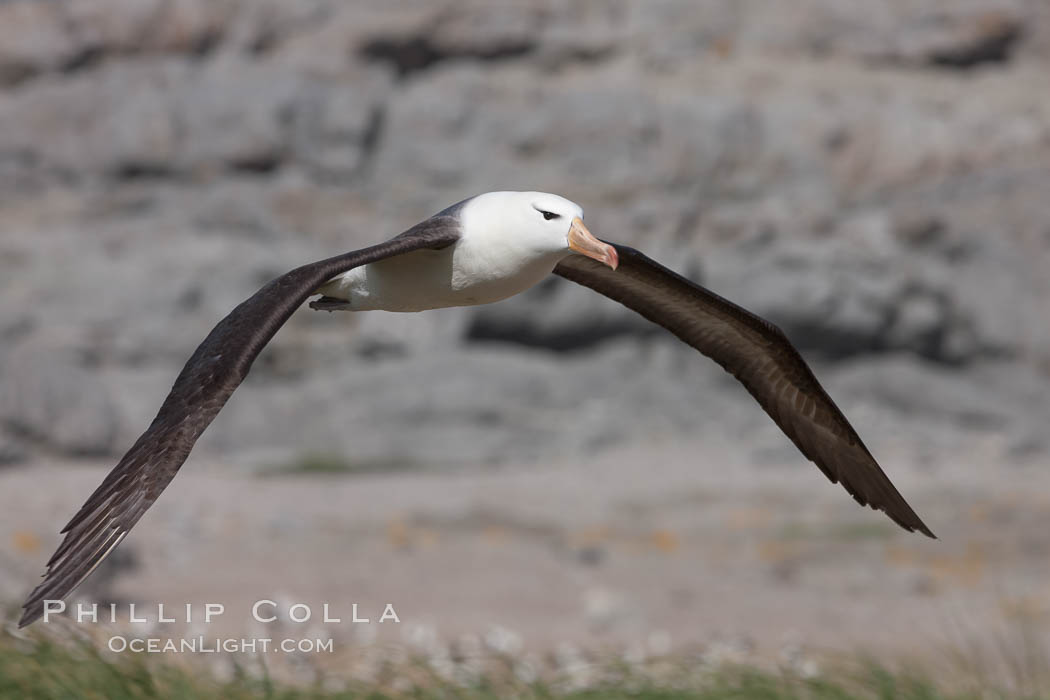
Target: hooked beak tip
point(583, 242)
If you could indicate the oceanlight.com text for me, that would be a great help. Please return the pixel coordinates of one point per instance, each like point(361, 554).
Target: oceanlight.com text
point(213, 645)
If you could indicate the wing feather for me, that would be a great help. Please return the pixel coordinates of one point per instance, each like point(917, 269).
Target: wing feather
point(211, 375)
point(761, 357)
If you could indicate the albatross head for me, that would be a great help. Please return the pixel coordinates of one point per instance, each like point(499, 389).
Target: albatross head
point(535, 222)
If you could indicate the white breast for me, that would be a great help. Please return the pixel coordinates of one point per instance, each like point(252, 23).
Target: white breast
point(463, 274)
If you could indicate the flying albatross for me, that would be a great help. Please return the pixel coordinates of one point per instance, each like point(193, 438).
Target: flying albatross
point(481, 250)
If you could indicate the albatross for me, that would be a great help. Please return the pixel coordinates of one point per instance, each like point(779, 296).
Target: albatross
point(480, 250)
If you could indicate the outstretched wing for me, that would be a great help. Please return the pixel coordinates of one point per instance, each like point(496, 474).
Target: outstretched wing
point(759, 355)
point(211, 375)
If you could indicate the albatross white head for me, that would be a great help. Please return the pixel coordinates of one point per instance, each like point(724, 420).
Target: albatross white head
point(512, 240)
point(525, 225)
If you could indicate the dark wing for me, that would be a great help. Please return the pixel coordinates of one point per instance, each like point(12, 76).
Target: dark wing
point(210, 376)
point(758, 354)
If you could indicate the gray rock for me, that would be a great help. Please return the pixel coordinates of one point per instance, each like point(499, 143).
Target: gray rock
point(96, 125)
point(336, 129)
point(113, 27)
point(33, 39)
point(923, 392)
point(12, 451)
point(154, 26)
point(166, 118)
point(953, 34)
point(235, 114)
point(159, 161)
point(557, 315)
point(480, 405)
point(49, 395)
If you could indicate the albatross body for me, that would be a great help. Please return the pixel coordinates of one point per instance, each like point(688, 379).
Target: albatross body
point(480, 250)
point(503, 249)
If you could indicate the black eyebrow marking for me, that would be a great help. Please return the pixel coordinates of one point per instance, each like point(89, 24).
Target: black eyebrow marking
point(547, 215)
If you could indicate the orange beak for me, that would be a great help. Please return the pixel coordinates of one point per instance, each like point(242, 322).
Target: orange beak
point(583, 242)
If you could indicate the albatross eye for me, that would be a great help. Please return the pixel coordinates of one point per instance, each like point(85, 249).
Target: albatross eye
point(548, 215)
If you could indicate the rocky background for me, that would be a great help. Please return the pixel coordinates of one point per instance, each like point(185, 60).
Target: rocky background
point(872, 176)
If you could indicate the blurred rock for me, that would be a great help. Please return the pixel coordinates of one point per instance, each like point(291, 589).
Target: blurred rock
point(49, 395)
point(557, 315)
point(84, 126)
point(235, 114)
point(968, 41)
point(32, 39)
point(11, 450)
point(924, 392)
point(174, 26)
point(167, 118)
point(827, 169)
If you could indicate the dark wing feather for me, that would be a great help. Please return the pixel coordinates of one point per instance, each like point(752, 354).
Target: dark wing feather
point(759, 355)
point(210, 376)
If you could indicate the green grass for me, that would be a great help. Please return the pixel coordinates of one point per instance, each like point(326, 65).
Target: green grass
point(331, 463)
point(39, 669)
